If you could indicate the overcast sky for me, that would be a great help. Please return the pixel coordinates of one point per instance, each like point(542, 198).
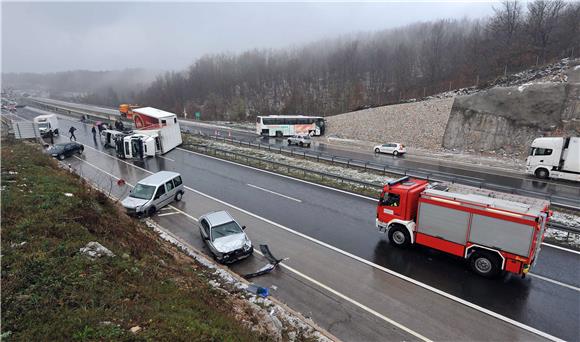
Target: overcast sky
point(47, 36)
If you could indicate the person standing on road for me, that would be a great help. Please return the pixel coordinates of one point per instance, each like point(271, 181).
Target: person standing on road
point(51, 136)
point(72, 130)
point(94, 130)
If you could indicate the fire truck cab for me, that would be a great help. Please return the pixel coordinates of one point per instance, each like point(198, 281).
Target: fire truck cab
point(493, 234)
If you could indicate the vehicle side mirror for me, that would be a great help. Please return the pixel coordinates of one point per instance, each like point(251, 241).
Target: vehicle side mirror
point(243, 227)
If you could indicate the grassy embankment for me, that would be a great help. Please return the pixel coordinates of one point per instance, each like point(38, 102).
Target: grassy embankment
point(50, 291)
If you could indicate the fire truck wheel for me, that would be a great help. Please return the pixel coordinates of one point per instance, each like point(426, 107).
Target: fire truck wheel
point(484, 263)
point(399, 236)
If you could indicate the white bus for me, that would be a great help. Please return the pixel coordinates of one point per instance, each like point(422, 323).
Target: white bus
point(286, 125)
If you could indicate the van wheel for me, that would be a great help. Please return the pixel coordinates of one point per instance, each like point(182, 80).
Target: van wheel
point(484, 263)
point(151, 211)
point(377, 150)
point(542, 173)
point(399, 236)
point(178, 196)
point(395, 153)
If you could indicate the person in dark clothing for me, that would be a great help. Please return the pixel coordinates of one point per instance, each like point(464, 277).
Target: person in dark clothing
point(50, 135)
point(72, 133)
point(94, 130)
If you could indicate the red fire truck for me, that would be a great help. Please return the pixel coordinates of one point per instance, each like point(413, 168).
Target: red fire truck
point(492, 234)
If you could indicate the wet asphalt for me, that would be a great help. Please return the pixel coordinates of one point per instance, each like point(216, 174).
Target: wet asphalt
point(347, 222)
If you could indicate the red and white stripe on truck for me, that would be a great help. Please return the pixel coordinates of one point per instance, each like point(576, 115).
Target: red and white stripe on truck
point(494, 235)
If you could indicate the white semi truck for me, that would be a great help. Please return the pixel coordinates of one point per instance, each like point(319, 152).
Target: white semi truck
point(556, 158)
point(45, 123)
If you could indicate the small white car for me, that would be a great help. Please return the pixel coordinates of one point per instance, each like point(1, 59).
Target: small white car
point(224, 237)
point(395, 149)
point(300, 140)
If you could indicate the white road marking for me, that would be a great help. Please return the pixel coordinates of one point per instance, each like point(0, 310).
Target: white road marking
point(555, 282)
point(171, 213)
point(352, 301)
point(165, 158)
point(384, 269)
point(275, 193)
point(561, 248)
point(326, 187)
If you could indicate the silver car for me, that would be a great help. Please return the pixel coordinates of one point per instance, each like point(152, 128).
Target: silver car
point(300, 140)
point(154, 192)
point(224, 237)
point(391, 148)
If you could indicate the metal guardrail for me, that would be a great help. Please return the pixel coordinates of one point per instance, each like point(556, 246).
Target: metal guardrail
point(290, 169)
point(563, 202)
point(399, 171)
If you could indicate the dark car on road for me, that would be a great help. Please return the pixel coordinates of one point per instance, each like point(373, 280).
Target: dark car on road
point(64, 150)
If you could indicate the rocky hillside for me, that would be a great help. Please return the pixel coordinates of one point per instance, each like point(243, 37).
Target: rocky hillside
point(507, 119)
point(419, 124)
point(501, 117)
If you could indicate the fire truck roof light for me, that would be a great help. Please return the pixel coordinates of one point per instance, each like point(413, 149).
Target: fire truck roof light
point(503, 212)
point(402, 179)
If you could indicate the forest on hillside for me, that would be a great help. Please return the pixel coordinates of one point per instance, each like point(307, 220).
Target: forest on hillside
point(340, 75)
point(366, 69)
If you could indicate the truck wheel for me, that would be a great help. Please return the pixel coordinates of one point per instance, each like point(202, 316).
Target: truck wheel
point(542, 173)
point(178, 196)
point(399, 236)
point(484, 263)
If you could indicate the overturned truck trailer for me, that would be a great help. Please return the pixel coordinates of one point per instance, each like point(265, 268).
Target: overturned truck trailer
point(156, 132)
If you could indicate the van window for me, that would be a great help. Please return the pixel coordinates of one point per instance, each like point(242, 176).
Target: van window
point(164, 122)
point(169, 186)
point(391, 200)
point(160, 191)
point(177, 181)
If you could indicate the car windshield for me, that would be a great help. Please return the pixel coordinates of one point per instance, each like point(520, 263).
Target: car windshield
point(56, 148)
point(143, 191)
point(225, 229)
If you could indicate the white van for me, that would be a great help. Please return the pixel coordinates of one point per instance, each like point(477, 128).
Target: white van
point(46, 123)
point(154, 192)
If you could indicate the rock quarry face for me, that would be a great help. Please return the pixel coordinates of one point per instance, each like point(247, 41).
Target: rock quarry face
point(509, 118)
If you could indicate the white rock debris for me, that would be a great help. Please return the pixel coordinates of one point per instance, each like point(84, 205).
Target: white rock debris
point(95, 250)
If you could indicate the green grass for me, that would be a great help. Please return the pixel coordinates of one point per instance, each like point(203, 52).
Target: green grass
point(52, 292)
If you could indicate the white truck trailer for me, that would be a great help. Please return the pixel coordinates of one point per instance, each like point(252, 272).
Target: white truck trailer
point(156, 132)
point(556, 158)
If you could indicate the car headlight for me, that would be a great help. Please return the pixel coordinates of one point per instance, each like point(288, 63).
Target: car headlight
point(247, 245)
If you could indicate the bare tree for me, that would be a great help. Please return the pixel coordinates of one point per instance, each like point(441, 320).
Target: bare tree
point(542, 19)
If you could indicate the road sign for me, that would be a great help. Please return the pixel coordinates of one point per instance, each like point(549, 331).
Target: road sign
point(197, 115)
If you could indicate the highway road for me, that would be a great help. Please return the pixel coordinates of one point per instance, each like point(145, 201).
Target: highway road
point(563, 192)
point(332, 238)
